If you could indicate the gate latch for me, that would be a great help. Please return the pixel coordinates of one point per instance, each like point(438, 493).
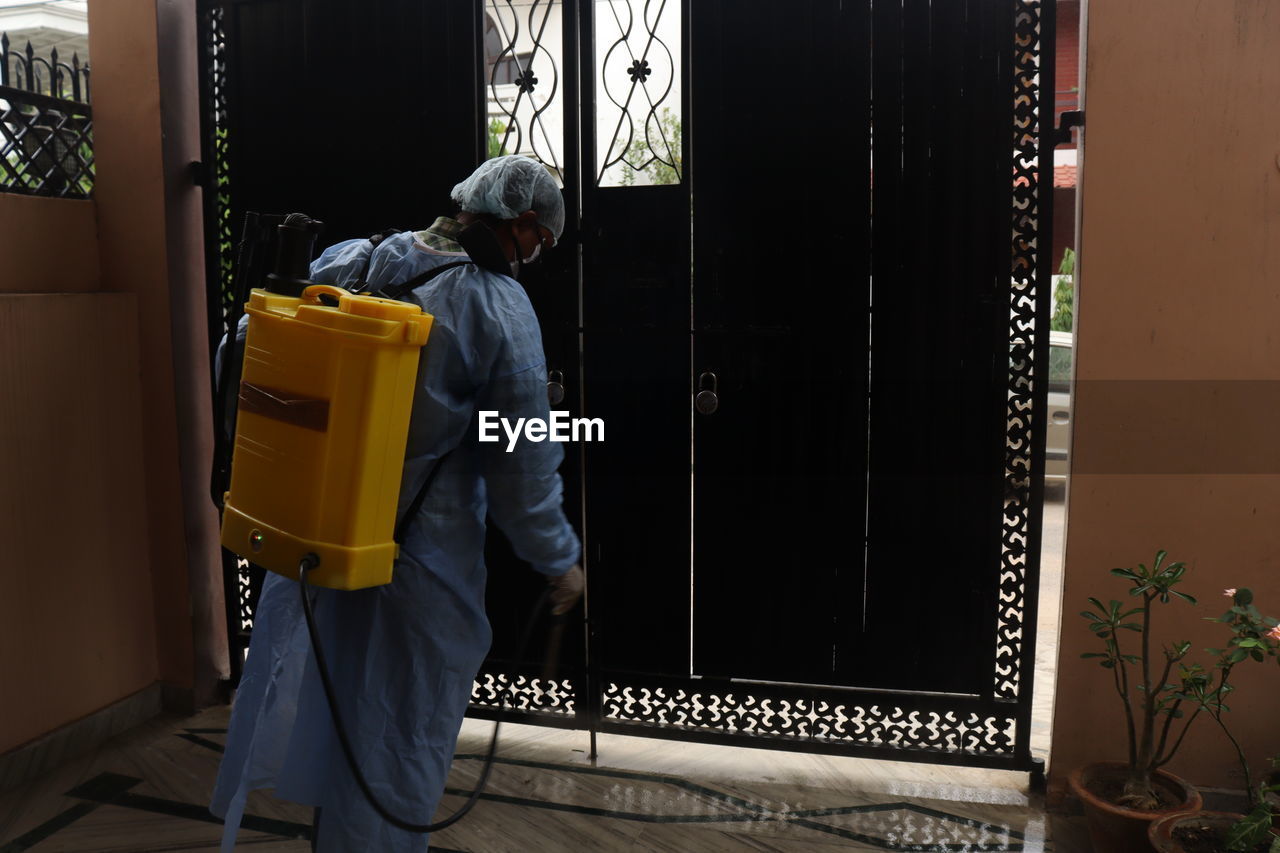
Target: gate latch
point(555, 387)
point(707, 400)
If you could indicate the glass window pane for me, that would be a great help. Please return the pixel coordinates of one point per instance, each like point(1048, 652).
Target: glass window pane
point(639, 122)
point(1060, 368)
point(523, 46)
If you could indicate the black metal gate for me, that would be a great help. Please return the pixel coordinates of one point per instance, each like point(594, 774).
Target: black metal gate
point(801, 290)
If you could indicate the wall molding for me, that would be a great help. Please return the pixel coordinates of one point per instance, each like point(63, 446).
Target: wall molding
point(75, 739)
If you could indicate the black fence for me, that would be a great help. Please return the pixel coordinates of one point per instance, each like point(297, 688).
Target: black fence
point(46, 124)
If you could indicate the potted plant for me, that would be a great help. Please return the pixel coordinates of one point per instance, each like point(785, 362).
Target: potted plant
point(1256, 637)
point(1122, 798)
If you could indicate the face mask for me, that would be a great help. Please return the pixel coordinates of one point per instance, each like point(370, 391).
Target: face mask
point(517, 266)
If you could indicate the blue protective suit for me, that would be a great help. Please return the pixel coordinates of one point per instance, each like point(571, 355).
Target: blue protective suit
point(404, 656)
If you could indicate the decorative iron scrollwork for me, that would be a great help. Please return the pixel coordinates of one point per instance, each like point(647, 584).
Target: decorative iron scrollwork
point(533, 695)
point(1022, 420)
point(220, 243)
point(44, 75)
point(522, 47)
point(642, 55)
point(813, 718)
point(46, 124)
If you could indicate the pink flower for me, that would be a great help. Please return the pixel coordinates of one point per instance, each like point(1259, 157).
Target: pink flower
point(1274, 633)
point(1230, 593)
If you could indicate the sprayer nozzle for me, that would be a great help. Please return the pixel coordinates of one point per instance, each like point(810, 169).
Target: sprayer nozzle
point(301, 220)
point(296, 237)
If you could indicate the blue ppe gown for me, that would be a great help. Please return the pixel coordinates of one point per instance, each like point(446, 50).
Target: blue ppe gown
point(404, 656)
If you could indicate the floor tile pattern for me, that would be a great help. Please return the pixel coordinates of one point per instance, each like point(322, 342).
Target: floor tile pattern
point(146, 792)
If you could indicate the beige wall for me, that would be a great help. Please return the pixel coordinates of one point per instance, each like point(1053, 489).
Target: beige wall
point(77, 603)
point(149, 227)
point(110, 572)
point(50, 245)
point(129, 193)
point(1179, 299)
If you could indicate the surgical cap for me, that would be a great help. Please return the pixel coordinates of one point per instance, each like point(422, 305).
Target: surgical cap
point(506, 187)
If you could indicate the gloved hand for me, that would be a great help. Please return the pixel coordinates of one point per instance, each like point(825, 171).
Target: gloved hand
point(566, 589)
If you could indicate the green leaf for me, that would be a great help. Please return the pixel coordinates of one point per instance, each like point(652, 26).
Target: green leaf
point(1160, 555)
point(1251, 830)
point(1251, 643)
point(1088, 615)
point(1275, 845)
point(1244, 597)
point(1098, 604)
point(1257, 655)
point(1125, 573)
point(1132, 626)
point(1108, 664)
point(1237, 656)
point(1187, 598)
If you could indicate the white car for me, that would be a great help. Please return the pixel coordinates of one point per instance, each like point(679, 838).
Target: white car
point(1058, 440)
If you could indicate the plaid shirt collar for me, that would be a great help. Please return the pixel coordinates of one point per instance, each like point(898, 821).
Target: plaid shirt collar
point(442, 235)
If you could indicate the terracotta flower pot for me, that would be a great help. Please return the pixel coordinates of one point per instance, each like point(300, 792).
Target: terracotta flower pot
point(1117, 829)
point(1160, 833)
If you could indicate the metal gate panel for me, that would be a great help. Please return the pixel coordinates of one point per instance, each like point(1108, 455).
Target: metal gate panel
point(936, 430)
point(636, 299)
point(800, 594)
point(331, 107)
point(780, 167)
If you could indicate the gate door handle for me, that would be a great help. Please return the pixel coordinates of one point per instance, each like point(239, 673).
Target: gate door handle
point(555, 387)
point(707, 400)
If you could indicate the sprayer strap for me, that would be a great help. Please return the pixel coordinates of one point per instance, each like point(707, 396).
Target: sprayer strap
point(399, 291)
point(402, 526)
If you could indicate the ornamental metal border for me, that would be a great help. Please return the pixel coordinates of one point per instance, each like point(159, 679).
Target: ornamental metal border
point(46, 124)
point(241, 581)
point(1033, 119)
point(215, 175)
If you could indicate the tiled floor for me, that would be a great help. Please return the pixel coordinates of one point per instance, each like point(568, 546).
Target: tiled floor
point(146, 792)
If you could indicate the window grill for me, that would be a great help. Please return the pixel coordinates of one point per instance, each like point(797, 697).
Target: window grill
point(46, 124)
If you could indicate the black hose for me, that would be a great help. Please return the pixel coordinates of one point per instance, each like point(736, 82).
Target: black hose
point(308, 563)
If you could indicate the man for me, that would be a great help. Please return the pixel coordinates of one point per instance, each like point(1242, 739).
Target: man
point(403, 656)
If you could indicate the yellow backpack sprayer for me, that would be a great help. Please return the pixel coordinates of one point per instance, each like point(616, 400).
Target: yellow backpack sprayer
point(325, 395)
point(324, 401)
